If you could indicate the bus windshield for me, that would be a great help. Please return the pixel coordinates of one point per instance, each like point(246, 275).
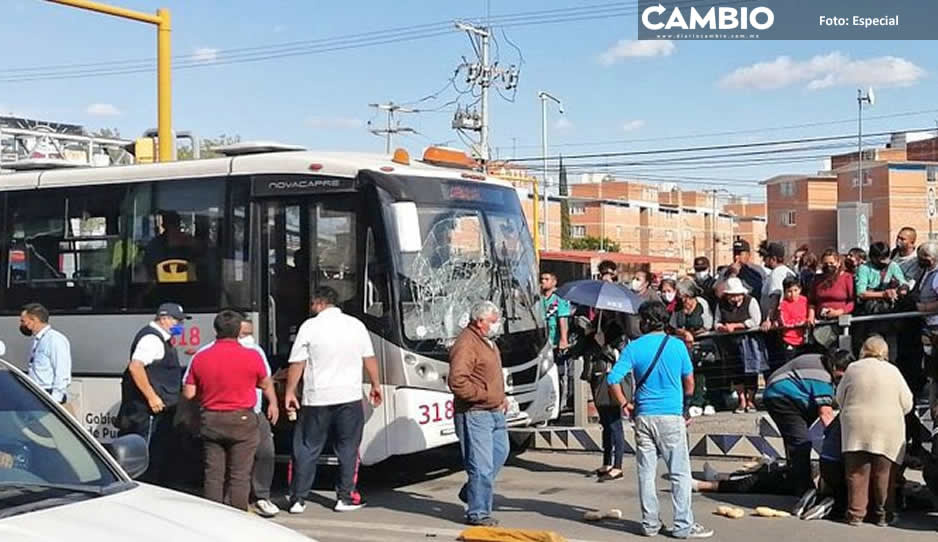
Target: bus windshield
point(468, 255)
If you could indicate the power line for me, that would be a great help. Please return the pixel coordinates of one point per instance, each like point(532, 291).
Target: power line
point(711, 147)
point(260, 53)
point(735, 132)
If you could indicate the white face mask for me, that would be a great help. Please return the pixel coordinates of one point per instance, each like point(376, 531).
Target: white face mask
point(247, 341)
point(669, 296)
point(494, 330)
point(637, 285)
point(702, 275)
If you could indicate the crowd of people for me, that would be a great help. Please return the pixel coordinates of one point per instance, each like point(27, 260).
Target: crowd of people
point(780, 321)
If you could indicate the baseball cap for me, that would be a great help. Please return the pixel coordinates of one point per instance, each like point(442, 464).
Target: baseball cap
point(741, 245)
point(775, 250)
point(173, 310)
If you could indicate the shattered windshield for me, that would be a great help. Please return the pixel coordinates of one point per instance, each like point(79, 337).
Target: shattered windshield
point(467, 256)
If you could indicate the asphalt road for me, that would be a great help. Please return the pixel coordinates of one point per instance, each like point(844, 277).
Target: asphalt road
point(414, 498)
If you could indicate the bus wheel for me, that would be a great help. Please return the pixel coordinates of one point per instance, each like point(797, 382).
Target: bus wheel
point(519, 441)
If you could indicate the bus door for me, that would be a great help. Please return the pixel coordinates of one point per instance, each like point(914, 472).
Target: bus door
point(309, 242)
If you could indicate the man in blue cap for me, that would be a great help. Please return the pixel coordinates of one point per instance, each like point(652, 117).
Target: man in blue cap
point(150, 388)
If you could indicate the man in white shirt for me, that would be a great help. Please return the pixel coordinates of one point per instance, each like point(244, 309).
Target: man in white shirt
point(150, 389)
point(330, 351)
point(773, 256)
point(50, 358)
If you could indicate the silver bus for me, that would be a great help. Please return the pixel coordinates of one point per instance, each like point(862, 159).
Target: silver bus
point(409, 246)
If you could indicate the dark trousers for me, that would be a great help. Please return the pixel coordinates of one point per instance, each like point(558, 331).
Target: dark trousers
point(766, 480)
point(264, 458)
point(160, 435)
point(610, 418)
point(870, 486)
point(909, 359)
point(315, 424)
point(793, 423)
point(834, 484)
point(230, 440)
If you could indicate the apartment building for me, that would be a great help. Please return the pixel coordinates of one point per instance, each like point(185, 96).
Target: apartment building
point(802, 210)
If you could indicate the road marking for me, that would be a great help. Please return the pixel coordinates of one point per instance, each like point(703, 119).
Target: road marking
point(311, 524)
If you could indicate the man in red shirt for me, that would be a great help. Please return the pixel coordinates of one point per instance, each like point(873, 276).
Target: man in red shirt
point(224, 377)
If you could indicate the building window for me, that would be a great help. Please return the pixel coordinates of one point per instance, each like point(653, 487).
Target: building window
point(618, 231)
point(867, 179)
point(788, 218)
point(540, 229)
point(787, 189)
point(577, 209)
point(669, 235)
point(931, 173)
point(578, 232)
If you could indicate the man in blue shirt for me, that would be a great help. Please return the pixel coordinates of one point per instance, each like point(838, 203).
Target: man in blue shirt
point(50, 358)
point(664, 379)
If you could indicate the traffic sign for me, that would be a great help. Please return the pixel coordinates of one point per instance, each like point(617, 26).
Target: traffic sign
point(932, 203)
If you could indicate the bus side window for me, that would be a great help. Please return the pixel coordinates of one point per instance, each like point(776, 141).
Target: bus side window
point(65, 249)
point(376, 286)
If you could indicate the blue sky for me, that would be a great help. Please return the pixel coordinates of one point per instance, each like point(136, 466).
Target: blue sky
point(650, 95)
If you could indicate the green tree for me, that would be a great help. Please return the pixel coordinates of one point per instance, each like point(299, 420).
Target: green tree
point(208, 147)
point(594, 243)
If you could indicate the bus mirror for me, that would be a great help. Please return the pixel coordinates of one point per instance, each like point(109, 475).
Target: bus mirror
point(3, 348)
point(408, 226)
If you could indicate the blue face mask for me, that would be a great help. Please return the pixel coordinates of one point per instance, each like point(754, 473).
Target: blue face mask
point(177, 330)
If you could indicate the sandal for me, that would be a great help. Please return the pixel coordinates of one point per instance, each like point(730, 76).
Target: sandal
point(609, 476)
point(602, 470)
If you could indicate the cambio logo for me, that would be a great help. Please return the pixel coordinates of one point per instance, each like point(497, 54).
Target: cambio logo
point(716, 18)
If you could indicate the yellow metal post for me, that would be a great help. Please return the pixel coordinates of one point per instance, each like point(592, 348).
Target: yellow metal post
point(164, 93)
point(163, 50)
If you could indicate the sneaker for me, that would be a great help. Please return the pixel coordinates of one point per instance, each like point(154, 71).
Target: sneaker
point(709, 411)
point(751, 409)
point(298, 507)
point(739, 411)
point(348, 506)
point(710, 474)
point(820, 510)
point(266, 508)
point(695, 412)
point(804, 503)
point(482, 522)
point(698, 531)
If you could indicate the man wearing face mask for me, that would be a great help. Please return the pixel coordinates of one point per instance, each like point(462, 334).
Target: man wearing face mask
point(928, 302)
point(150, 388)
point(478, 386)
point(50, 358)
point(704, 280)
point(641, 286)
point(263, 471)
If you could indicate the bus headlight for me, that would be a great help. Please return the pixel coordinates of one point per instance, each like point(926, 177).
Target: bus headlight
point(410, 359)
point(547, 360)
point(427, 372)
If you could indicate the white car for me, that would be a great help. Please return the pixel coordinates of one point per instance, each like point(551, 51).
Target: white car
point(57, 483)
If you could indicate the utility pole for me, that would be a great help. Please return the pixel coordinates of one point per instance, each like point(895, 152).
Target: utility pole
point(391, 129)
point(713, 231)
point(544, 96)
point(863, 223)
point(483, 74)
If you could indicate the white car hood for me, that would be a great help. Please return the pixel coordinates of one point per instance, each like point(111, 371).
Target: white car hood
point(143, 514)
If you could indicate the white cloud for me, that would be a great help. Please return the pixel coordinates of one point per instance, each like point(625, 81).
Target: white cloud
point(633, 125)
point(563, 124)
point(825, 71)
point(636, 48)
point(279, 28)
point(205, 54)
point(335, 123)
point(102, 110)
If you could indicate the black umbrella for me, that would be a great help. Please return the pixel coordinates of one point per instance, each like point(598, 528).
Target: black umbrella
point(602, 295)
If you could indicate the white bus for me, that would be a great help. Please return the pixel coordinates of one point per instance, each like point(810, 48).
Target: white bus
point(408, 246)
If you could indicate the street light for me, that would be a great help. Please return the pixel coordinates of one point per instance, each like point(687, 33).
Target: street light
point(544, 96)
point(870, 98)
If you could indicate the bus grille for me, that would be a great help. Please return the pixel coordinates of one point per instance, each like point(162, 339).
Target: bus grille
point(525, 377)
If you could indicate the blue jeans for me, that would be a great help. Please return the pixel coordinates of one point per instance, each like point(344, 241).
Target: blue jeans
point(483, 441)
point(665, 437)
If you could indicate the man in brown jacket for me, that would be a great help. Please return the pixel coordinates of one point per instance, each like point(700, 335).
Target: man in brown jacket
point(475, 377)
